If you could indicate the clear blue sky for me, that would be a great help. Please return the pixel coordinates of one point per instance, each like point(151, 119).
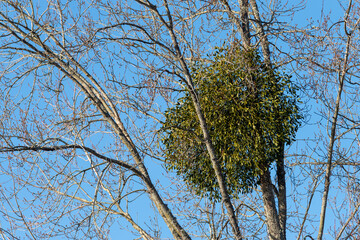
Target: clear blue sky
point(142, 208)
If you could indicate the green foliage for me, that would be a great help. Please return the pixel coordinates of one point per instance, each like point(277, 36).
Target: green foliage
point(250, 109)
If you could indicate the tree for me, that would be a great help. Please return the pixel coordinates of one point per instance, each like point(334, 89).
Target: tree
point(328, 53)
point(85, 85)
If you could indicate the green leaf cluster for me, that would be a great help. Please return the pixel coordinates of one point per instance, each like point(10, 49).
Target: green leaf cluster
point(251, 111)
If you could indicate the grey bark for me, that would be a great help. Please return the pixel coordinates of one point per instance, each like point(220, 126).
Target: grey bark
point(272, 218)
point(260, 30)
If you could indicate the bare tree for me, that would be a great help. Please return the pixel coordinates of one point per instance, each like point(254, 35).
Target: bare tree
point(328, 52)
point(84, 86)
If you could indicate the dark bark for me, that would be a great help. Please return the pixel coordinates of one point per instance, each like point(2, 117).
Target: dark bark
point(281, 182)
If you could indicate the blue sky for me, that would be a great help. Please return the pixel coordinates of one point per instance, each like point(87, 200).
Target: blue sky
point(142, 209)
point(312, 12)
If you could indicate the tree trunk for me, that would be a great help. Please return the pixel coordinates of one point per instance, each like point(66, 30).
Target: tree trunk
point(272, 218)
point(282, 206)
